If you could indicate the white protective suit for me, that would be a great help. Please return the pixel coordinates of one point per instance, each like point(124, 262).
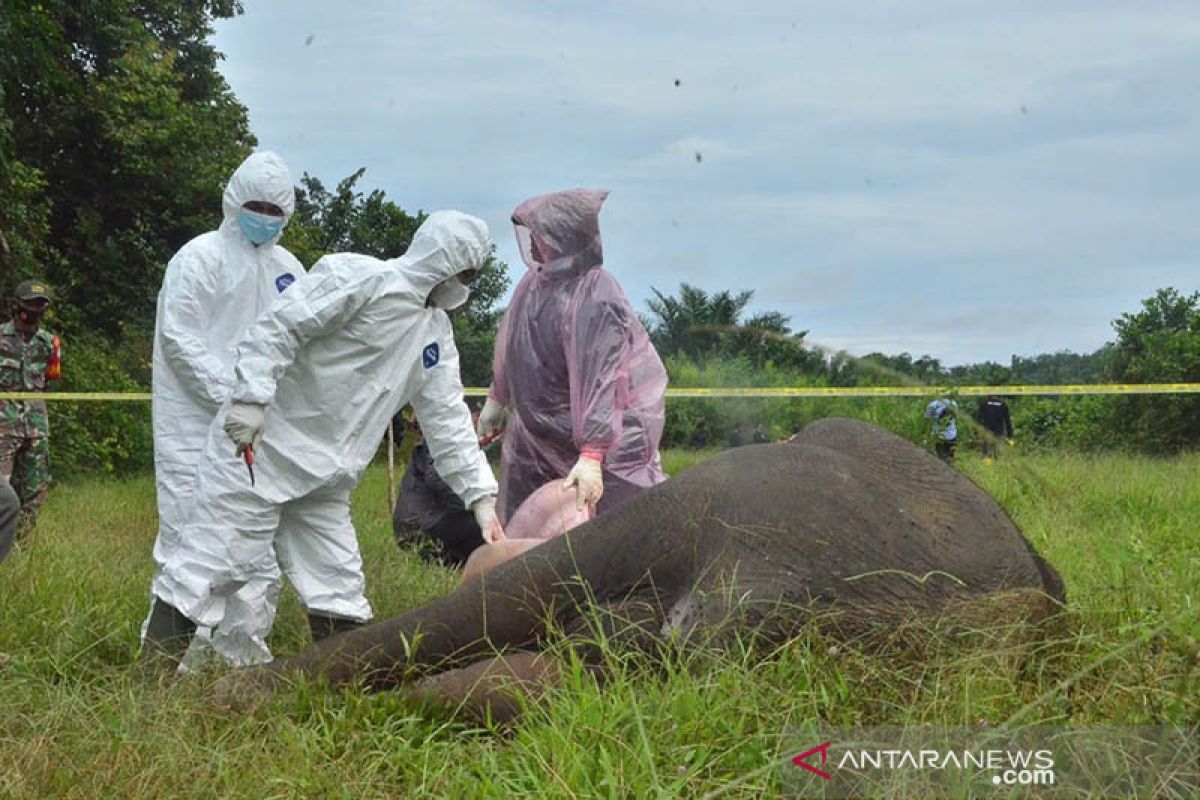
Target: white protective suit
point(213, 289)
point(347, 346)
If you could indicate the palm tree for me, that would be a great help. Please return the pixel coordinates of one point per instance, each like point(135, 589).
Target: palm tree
point(693, 323)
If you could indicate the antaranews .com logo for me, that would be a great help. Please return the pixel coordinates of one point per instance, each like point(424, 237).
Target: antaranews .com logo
point(1007, 767)
point(953, 762)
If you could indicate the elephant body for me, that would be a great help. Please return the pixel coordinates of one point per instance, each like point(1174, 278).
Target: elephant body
point(846, 519)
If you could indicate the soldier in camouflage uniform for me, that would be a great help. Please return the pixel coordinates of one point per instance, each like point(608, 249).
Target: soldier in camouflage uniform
point(28, 358)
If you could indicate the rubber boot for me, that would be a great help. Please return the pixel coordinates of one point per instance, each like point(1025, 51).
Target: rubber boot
point(168, 634)
point(322, 625)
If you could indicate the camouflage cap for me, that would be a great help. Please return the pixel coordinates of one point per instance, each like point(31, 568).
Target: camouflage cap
point(32, 290)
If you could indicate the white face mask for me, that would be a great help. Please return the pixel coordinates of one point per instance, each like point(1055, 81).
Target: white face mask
point(449, 294)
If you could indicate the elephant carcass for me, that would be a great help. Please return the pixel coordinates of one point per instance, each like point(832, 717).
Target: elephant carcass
point(846, 518)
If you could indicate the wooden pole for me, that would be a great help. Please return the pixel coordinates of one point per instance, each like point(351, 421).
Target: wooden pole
point(391, 444)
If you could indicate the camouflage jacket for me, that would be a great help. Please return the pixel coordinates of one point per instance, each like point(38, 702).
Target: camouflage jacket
point(23, 369)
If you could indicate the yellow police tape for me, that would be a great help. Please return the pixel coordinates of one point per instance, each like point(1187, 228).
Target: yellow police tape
point(764, 391)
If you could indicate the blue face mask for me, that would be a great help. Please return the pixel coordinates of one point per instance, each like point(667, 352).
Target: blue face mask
point(259, 228)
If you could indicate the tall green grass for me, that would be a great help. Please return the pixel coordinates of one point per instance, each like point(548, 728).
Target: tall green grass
point(75, 721)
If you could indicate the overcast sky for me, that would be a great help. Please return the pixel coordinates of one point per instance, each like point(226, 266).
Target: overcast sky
point(964, 179)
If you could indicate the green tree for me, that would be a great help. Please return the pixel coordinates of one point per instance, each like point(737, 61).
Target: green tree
point(692, 323)
point(346, 221)
point(701, 326)
point(882, 369)
point(986, 373)
point(1063, 367)
point(119, 133)
point(1159, 344)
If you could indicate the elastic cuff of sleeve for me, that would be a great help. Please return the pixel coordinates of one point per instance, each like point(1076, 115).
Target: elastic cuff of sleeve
point(594, 455)
point(472, 499)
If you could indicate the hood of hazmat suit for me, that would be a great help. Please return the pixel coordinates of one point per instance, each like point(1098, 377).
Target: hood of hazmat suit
point(572, 359)
point(213, 288)
point(349, 345)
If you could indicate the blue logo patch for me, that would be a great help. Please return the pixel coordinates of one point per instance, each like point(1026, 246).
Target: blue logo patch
point(429, 356)
point(283, 281)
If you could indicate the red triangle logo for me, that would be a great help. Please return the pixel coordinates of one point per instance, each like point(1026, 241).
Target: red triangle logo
point(801, 760)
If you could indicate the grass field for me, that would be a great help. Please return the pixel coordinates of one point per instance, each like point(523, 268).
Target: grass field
point(75, 721)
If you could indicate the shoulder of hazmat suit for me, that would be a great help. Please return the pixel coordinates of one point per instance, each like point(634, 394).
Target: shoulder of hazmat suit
point(352, 343)
point(572, 358)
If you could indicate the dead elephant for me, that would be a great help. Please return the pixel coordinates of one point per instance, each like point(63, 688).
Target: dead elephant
point(845, 518)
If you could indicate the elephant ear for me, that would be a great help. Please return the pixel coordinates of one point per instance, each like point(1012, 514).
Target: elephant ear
point(547, 513)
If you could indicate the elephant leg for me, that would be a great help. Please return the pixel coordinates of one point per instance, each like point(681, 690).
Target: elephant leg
point(495, 688)
point(490, 689)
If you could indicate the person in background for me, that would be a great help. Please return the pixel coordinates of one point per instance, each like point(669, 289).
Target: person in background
point(213, 288)
point(760, 434)
point(573, 366)
point(29, 358)
point(943, 416)
point(429, 516)
point(317, 378)
point(737, 435)
point(997, 424)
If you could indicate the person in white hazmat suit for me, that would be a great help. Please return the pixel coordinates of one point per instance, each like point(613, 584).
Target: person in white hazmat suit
point(213, 288)
point(317, 380)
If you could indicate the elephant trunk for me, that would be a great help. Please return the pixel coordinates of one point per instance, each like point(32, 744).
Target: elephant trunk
point(510, 607)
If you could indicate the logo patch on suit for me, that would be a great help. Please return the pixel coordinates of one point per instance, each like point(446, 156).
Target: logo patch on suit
point(285, 280)
point(430, 355)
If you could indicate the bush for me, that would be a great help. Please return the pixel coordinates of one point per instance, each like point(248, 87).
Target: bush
point(1083, 423)
point(703, 422)
point(1158, 344)
point(98, 438)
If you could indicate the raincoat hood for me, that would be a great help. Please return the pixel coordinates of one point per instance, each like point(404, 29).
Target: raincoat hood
point(447, 243)
point(559, 233)
point(262, 176)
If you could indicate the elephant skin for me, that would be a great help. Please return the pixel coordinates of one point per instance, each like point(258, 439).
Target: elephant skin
point(845, 519)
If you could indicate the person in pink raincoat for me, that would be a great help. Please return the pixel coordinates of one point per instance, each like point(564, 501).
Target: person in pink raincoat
point(575, 378)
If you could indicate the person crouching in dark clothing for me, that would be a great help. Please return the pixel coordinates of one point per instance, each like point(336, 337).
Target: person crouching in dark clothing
point(429, 515)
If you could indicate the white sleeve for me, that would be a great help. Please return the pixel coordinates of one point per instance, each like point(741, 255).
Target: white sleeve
point(316, 303)
point(183, 328)
point(446, 423)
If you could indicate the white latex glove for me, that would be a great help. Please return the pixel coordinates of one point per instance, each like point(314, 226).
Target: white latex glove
point(491, 419)
point(588, 480)
point(244, 424)
point(489, 524)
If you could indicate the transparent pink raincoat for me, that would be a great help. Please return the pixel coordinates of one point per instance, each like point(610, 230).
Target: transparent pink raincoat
point(573, 362)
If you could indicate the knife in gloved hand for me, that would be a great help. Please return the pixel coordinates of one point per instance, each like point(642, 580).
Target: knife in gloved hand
point(248, 457)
